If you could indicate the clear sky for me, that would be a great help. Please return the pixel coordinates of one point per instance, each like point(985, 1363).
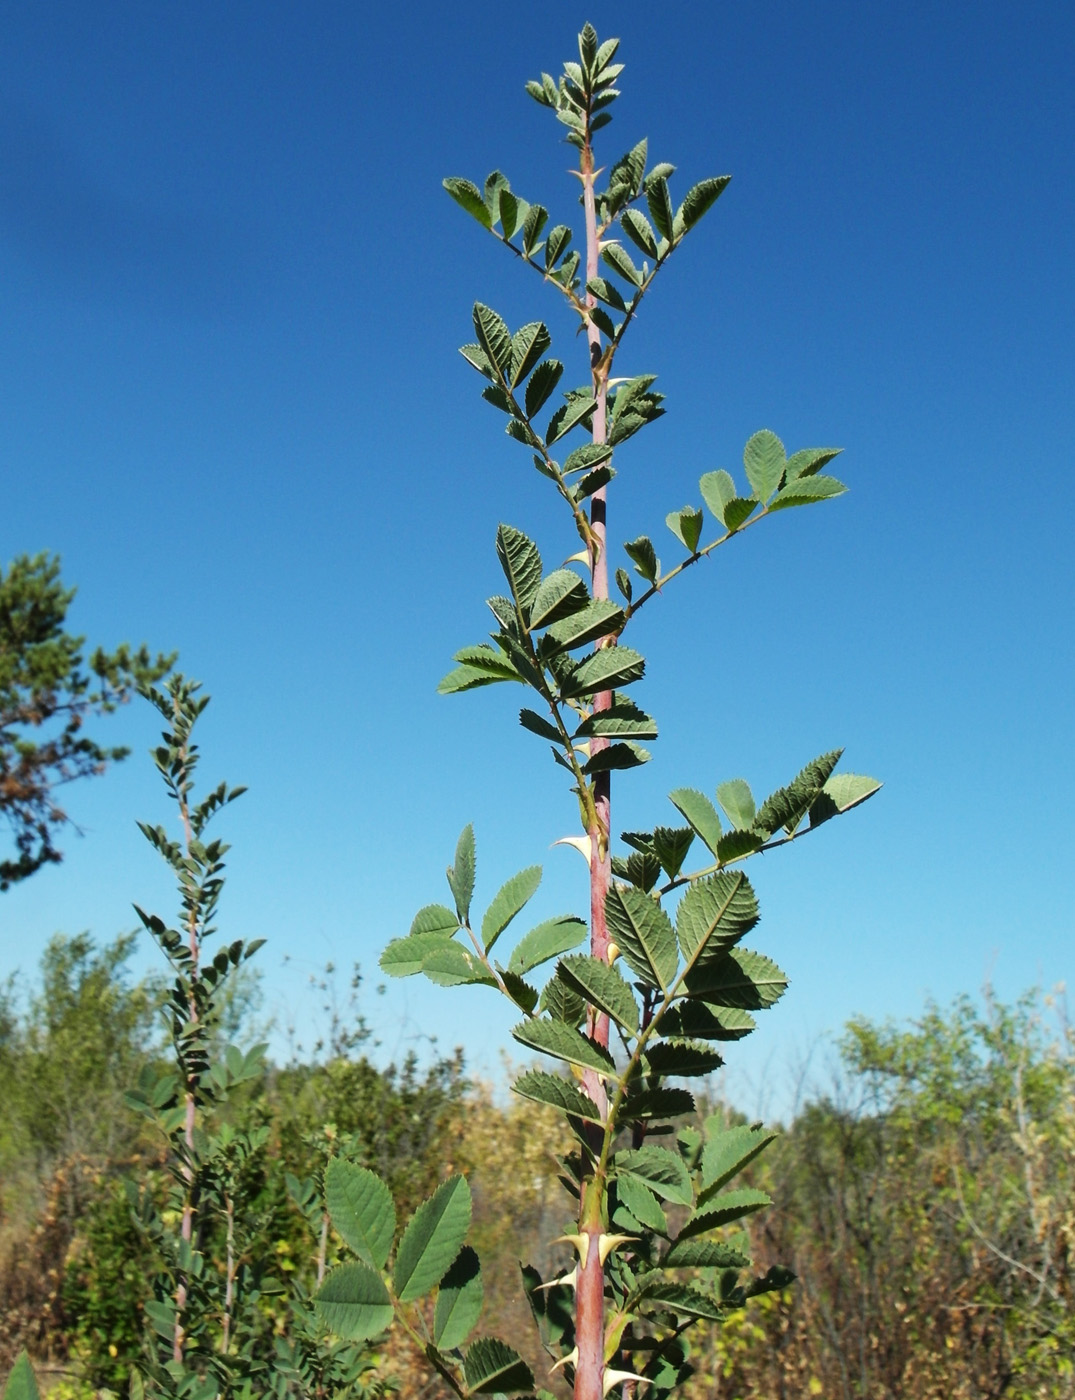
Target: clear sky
point(232, 293)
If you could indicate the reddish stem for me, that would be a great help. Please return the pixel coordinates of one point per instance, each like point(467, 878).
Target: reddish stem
point(590, 1292)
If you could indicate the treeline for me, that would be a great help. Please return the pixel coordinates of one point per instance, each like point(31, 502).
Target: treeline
point(926, 1200)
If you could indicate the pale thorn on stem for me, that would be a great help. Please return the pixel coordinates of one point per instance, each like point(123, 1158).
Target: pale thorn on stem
point(570, 1279)
point(571, 1359)
point(613, 951)
point(581, 1245)
point(582, 557)
point(607, 1243)
point(580, 843)
point(618, 1377)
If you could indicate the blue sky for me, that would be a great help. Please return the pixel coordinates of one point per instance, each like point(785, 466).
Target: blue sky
point(232, 292)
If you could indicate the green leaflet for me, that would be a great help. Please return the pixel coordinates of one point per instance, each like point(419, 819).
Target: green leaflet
point(476, 356)
point(586, 457)
point(561, 1002)
point(468, 196)
point(522, 994)
point(494, 394)
point(670, 846)
point(643, 1205)
point(451, 965)
point(733, 845)
point(788, 805)
point(548, 940)
point(661, 1170)
point(509, 900)
point(842, 792)
point(567, 417)
point(561, 594)
point(540, 386)
point(686, 525)
point(641, 868)
point(556, 244)
point(607, 669)
point(683, 1058)
point(728, 1150)
point(466, 678)
point(513, 210)
point(503, 609)
point(404, 956)
point(603, 987)
point(521, 562)
point(724, 1210)
point(493, 336)
point(774, 1279)
point(539, 726)
point(645, 556)
point(638, 229)
point(603, 290)
point(700, 199)
point(680, 1298)
point(541, 1087)
point(660, 206)
point(361, 1208)
point(696, 1021)
point(435, 918)
point(703, 1254)
point(701, 814)
point(597, 618)
point(432, 1239)
point(642, 931)
point(718, 491)
point(487, 657)
point(461, 874)
point(737, 802)
point(616, 756)
point(459, 1301)
point(738, 511)
point(537, 216)
point(495, 183)
point(591, 482)
point(740, 978)
point(563, 1042)
point(21, 1382)
point(491, 1365)
point(714, 914)
point(354, 1302)
point(806, 490)
point(620, 261)
point(657, 1103)
point(809, 460)
point(624, 718)
point(527, 347)
point(764, 460)
point(490, 657)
